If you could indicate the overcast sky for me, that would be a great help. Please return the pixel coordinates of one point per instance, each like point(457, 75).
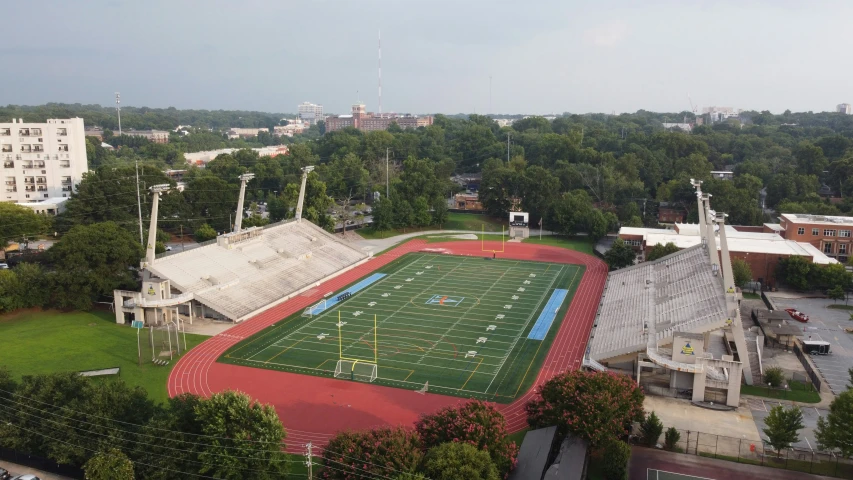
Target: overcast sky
point(437, 55)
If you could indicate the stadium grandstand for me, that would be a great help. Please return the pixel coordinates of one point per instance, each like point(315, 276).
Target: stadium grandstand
point(662, 315)
point(239, 274)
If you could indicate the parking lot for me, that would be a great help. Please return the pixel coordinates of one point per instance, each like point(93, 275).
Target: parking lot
point(828, 325)
point(761, 408)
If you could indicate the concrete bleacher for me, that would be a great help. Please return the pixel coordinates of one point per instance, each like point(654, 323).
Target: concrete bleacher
point(239, 279)
point(679, 293)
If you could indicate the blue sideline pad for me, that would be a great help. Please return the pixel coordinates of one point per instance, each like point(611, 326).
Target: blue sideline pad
point(333, 300)
point(546, 318)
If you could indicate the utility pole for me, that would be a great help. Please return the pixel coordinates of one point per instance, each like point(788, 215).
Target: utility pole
point(309, 461)
point(490, 95)
point(136, 162)
point(387, 181)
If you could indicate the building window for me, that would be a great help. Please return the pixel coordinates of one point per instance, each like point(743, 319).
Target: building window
point(842, 249)
point(801, 231)
point(828, 233)
point(844, 233)
point(815, 232)
point(827, 248)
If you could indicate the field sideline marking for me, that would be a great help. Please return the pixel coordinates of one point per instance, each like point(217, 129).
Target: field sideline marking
point(472, 374)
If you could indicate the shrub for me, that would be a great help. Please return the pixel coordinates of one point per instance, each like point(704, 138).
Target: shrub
point(372, 454)
point(616, 454)
point(774, 376)
point(477, 423)
point(204, 233)
point(453, 461)
point(671, 438)
point(595, 406)
point(650, 430)
point(109, 465)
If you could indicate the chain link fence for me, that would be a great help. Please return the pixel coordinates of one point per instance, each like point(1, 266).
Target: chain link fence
point(754, 452)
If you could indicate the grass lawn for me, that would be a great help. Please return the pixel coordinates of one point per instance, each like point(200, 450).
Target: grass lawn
point(469, 327)
point(455, 221)
point(581, 244)
point(799, 392)
point(751, 296)
point(48, 342)
point(839, 306)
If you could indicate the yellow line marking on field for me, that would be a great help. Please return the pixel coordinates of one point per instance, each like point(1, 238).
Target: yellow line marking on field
point(324, 362)
point(286, 349)
point(407, 376)
point(472, 374)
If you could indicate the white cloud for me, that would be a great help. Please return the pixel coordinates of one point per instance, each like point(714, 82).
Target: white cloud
point(607, 34)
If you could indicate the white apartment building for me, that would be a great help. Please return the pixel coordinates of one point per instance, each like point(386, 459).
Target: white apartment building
point(310, 113)
point(42, 162)
point(845, 108)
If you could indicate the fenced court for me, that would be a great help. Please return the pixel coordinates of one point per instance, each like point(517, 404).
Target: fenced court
point(466, 326)
point(654, 474)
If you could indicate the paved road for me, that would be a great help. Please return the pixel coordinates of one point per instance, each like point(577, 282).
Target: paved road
point(826, 324)
point(761, 408)
point(16, 469)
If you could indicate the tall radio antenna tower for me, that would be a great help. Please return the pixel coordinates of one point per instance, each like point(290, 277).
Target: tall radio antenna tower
point(118, 111)
point(380, 73)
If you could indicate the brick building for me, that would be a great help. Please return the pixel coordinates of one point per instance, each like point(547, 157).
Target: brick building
point(831, 235)
point(367, 121)
point(671, 213)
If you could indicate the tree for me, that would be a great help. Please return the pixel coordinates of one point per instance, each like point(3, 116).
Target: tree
point(774, 376)
point(782, 425)
point(651, 429)
point(741, 271)
point(836, 293)
point(660, 251)
point(835, 430)
point(17, 222)
point(595, 406)
point(371, 454)
point(616, 454)
point(795, 271)
point(254, 432)
point(671, 438)
point(476, 423)
point(204, 233)
point(422, 215)
point(439, 212)
point(92, 261)
point(454, 461)
point(620, 255)
point(109, 465)
point(383, 214)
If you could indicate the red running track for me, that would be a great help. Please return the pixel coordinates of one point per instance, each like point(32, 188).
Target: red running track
point(315, 408)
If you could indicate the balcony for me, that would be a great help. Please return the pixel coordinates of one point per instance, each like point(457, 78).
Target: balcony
point(8, 164)
point(11, 189)
point(27, 165)
point(24, 132)
point(5, 132)
point(63, 148)
point(38, 148)
point(66, 189)
point(29, 180)
point(42, 188)
point(36, 132)
point(10, 182)
point(29, 188)
point(66, 180)
point(41, 181)
point(38, 164)
point(65, 164)
point(26, 148)
point(62, 132)
point(6, 148)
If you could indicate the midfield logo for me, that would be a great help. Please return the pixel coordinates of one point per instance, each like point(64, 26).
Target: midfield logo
point(445, 300)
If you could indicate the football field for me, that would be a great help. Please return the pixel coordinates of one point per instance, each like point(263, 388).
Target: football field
point(464, 326)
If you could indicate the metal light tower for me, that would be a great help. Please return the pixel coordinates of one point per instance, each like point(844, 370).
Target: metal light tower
point(380, 73)
point(244, 178)
point(305, 172)
point(156, 191)
point(118, 111)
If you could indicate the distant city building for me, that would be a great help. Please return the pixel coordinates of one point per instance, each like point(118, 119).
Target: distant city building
point(722, 175)
point(201, 158)
point(845, 108)
point(504, 122)
point(244, 132)
point(96, 132)
point(681, 126)
point(468, 201)
point(310, 113)
point(293, 128)
point(156, 136)
point(41, 162)
point(367, 121)
point(719, 114)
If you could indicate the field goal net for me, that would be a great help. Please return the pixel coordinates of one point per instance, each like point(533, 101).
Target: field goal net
point(356, 370)
point(315, 309)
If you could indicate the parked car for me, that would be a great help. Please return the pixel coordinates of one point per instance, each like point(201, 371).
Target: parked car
point(797, 315)
point(816, 347)
point(168, 248)
point(4, 266)
point(4, 474)
point(27, 476)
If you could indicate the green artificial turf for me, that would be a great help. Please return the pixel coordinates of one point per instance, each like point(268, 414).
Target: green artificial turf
point(431, 311)
point(798, 392)
point(48, 342)
point(581, 244)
